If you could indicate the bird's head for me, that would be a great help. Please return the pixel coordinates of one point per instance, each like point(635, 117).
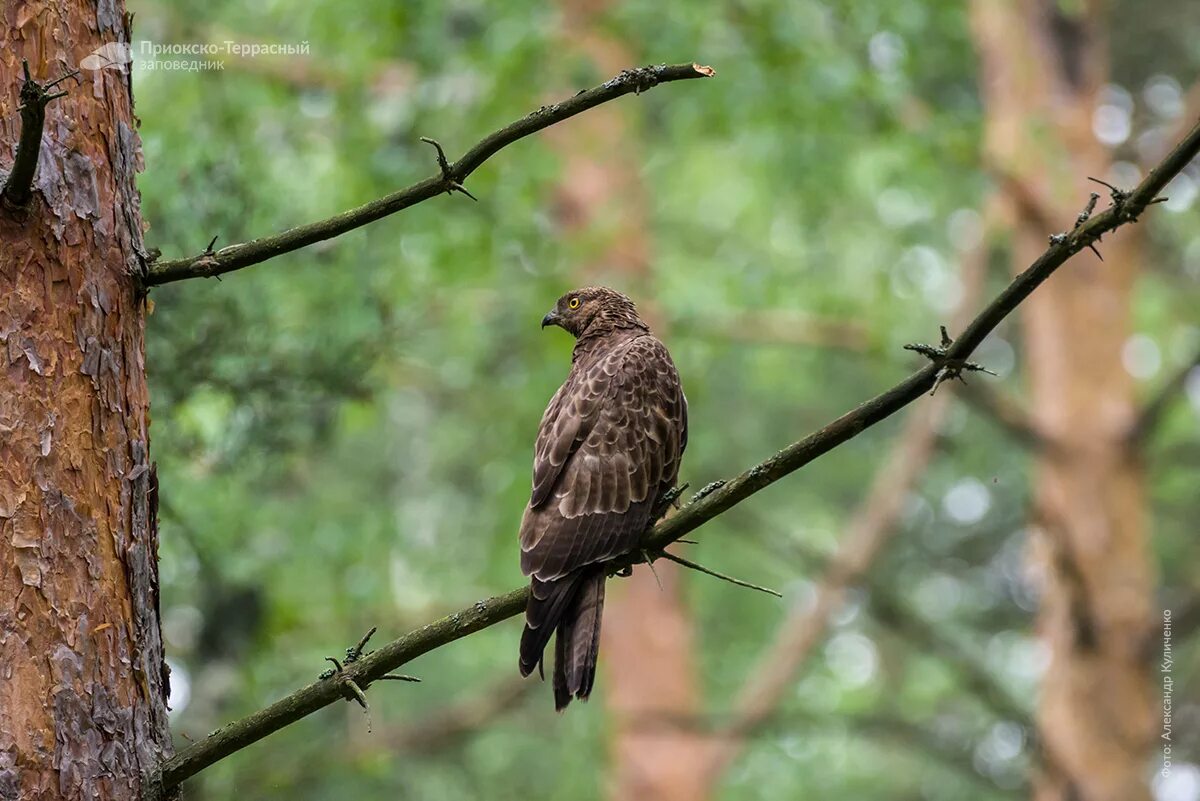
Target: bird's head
point(592, 311)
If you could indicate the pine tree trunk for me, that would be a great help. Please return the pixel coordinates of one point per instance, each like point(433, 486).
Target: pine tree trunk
point(1043, 65)
point(83, 693)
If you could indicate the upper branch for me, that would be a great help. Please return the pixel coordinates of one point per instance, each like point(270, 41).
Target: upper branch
point(1126, 208)
point(451, 178)
point(18, 187)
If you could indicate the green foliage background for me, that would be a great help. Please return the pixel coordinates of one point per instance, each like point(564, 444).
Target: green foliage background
point(344, 434)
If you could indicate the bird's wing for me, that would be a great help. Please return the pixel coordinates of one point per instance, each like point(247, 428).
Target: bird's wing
point(611, 447)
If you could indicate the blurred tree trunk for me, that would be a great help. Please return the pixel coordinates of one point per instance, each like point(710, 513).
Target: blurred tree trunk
point(1043, 64)
point(83, 694)
point(647, 658)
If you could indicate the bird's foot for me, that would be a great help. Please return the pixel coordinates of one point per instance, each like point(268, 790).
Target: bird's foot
point(667, 500)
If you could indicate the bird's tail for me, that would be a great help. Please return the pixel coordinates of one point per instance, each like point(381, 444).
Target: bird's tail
point(573, 607)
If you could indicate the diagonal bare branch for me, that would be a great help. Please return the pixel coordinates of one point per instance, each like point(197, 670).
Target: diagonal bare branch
point(1007, 413)
point(869, 530)
point(803, 628)
point(491, 611)
point(450, 179)
point(888, 726)
point(451, 725)
point(1152, 413)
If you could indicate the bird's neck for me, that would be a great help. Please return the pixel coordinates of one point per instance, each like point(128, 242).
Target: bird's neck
point(594, 341)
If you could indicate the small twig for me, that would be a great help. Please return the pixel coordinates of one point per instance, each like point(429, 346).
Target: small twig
point(18, 187)
point(442, 163)
point(354, 653)
point(351, 690)
point(947, 368)
point(1119, 196)
point(57, 81)
point(452, 183)
point(650, 564)
point(1086, 214)
point(679, 560)
point(355, 692)
point(206, 262)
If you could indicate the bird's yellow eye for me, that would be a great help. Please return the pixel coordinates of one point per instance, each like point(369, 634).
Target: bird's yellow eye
point(573, 303)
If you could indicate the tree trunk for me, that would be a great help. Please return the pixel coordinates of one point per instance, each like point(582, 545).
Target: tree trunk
point(83, 695)
point(647, 656)
point(1043, 64)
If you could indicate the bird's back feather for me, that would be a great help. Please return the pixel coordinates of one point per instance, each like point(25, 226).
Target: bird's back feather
point(609, 445)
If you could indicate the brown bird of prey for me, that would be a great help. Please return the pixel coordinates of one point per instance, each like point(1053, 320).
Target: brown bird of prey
point(607, 454)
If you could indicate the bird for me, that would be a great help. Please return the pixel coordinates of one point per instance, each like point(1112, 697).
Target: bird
point(606, 460)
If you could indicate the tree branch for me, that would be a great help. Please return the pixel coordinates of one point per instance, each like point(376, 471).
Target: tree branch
point(451, 178)
point(868, 532)
point(482, 614)
point(18, 187)
point(1008, 414)
point(974, 676)
point(889, 726)
point(782, 328)
point(1022, 196)
point(1152, 412)
point(457, 721)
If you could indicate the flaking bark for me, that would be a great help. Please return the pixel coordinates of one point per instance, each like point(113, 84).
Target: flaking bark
point(83, 696)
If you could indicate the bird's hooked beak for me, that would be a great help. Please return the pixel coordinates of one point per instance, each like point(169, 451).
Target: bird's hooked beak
point(551, 318)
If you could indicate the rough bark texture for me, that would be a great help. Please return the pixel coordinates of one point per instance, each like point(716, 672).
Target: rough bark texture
point(1043, 64)
point(83, 687)
point(648, 666)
